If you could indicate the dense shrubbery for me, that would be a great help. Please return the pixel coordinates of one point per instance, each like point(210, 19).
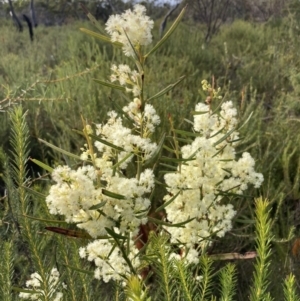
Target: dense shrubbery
point(256, 64)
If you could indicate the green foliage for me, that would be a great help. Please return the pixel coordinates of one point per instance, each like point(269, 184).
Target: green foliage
point(259, 289)
point(6, 274)
point(290, 289)
point(228, 279)
point(258, 67)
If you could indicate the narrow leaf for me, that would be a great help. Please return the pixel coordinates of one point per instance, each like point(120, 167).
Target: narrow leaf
point(224, 137)
point(186, 133)
point(97, 138)
point(100, 37)
point(36, 193)
point(108, 84)
point(160, 222)
point(171, 150)
point(246, 121)
point(43, 165)
point(166, 90)
point(199, 112)
point(168, 202)
point(157, 150)
point(60, 149)
point(91, 17)
point(176, 160)
point(68, 232)
point(234, 255)
point(113, 195)
point(186, 141)
point(44, 220)
point(78, 270)
point(168, 166)
point(168, 33)
point(114, 234)
point(98, 206)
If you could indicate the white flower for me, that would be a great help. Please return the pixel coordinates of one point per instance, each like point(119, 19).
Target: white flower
point(35, 284)
point(110, 264)
point(131, 79)
point(211, 168)
point(133, 26)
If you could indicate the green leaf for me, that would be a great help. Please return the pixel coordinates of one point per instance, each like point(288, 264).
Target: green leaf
point(98, 206)
point(48, 221)
point(97, 138)
point(78, 270)
point(171, 150)
point(60, 150)
point(115, 235)
point(100, 37)
point(123, 160)
point(216, 133)
point(168, 33)
point(160, 222)
point(245, 221)
point(246, 121)
point(113, 195)
point(177, 160)
point(168, 166)
point(108, 143)
point(186, 141)
point(186, 133)
point(68, 232)
point(168, 202)
point(43, 165)
point(199, 112)
point(157, 150)
point(166, 90)
point(108, 84)
point(132, 47)
point(91, 18)
point(22, 290)
point(219, 151)
point(36, 193)
point(224, 137)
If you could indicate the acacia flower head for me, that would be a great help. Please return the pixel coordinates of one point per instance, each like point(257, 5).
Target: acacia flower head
point(133, 26)
point(131, 79)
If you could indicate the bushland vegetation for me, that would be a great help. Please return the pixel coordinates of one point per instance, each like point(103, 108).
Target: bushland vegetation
point(256, 64)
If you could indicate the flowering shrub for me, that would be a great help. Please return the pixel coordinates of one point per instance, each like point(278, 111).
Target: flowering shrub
point(112, 205)
point(209, 170)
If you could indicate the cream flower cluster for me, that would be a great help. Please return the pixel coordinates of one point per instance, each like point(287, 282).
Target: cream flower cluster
point(35, 284)
point(114, 132)
point(131, 79)
point(75, 193)
point(210, 169)
point(110, 264)
point(133, 26)
point(148, 119)
point(79, 194)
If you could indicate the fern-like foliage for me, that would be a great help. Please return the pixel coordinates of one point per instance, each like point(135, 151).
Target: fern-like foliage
point(28, 239)
point(6, 270)
point(259, 289)
point(158, 255)
point(289, 288)
point(228, 280)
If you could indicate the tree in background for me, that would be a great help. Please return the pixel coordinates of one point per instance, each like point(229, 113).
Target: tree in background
point(213, 13)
